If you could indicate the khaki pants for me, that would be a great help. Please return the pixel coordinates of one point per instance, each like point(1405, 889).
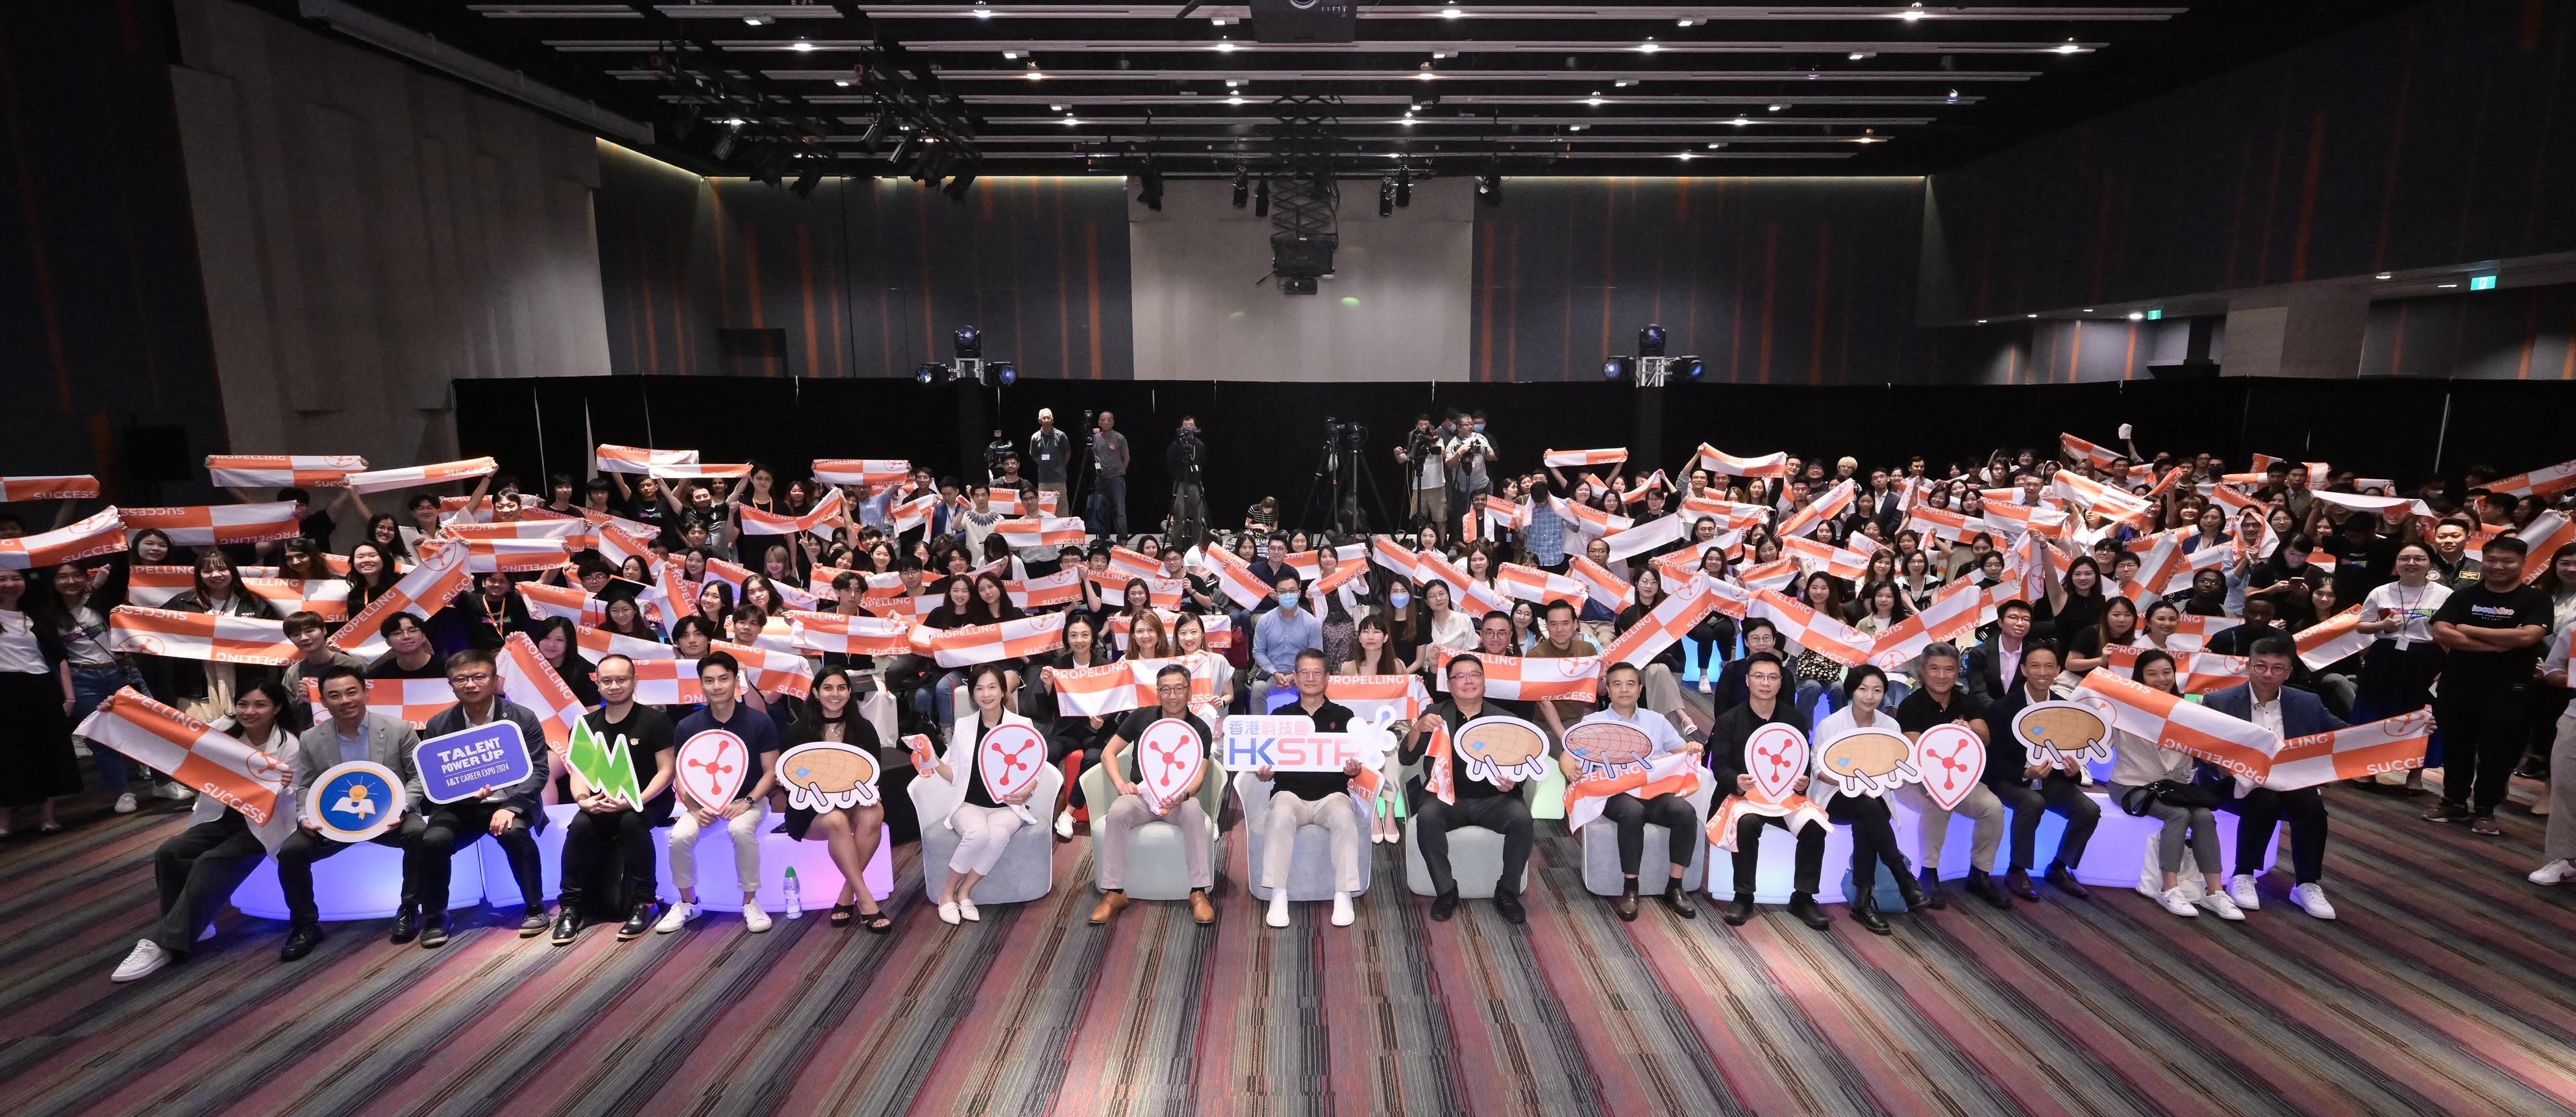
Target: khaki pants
point(1932, 826)
point(1431, 502)
point(1279, 843)
point(744, 829)
point(1109, 839)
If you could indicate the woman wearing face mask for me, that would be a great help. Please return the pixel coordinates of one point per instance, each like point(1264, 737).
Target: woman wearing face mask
point(1407, 628)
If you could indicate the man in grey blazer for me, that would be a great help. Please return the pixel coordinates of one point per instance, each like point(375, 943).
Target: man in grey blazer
point(511, 815)
point(349, 733)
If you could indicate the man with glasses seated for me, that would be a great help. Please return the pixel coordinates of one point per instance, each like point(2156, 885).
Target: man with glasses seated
point(1109, 837)
point(506, 813)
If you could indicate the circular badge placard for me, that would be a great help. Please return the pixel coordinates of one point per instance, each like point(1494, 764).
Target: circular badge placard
point(355, 801)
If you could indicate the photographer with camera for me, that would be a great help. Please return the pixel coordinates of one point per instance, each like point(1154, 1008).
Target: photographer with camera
point(1185, 458)
point(1422, 456)
point(1110, 457)
point(1468, 454)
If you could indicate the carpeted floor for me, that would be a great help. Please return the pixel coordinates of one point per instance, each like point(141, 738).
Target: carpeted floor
point(2449, 986)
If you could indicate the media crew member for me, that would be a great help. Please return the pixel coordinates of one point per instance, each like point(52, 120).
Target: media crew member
point(1050, 454)
point(1110, 456)
point(1423, 458)
point(1467, 454)
point(1184, 459)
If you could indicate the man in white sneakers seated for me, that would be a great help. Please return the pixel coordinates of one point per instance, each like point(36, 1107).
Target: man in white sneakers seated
point(2291, 713)
point(719, 679)
point(1312, 799)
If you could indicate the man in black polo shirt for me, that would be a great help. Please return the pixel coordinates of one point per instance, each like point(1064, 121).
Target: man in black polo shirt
point(2494, 630)
point(1312, 799)
point(1117, 824)
point(1942, 701)
point(1726, 741)
point(1500, 809)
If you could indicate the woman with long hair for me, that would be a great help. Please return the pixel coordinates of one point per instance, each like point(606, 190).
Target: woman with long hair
point(2149, 779)
point(852, 833)
point(625, 618)
point(2074, 602)
point(1707, 646)
point(560, 647)
point(96, 673)
point(2091, 648)
point(37, 764)
point(371, 573)
point(1075, 741)
point(200, 867)
point(386, 533)
point(956, 609)
point(1450, 628)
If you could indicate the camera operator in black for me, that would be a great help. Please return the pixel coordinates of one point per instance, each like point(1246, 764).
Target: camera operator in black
point(1422, 456)
point(1185, 458)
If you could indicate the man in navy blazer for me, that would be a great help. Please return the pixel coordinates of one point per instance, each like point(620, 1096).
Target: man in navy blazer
point(2265, 701)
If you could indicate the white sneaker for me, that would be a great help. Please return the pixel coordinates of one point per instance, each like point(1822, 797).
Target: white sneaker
point(146, 959)
point(2553, 872)
point(680, 914)
point(1705, 688)
point(2222, 907)
point(967, 911)
point(2312, 899)
point(177, 793)
point(2173, 901)
point(1278, 916)
point(1342, 913)
point(2240, 888)
point(948, 912)
point(755, 918)
point(125, 804)
point(1064, 824)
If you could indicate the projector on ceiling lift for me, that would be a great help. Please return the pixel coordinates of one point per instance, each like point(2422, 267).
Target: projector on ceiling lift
point(1304, 21)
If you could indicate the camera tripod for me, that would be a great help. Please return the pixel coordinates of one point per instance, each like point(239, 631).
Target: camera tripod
point(1341, 476)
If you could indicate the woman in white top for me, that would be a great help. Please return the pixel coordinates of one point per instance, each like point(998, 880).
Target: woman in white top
point(2139, 763)
point(36, 759)
point(1873, 836)
point(2398, 669)
point(984, 824)
point(1189, 645)
point(1449, 628)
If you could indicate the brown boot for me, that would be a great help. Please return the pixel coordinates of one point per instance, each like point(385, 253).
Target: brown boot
point(1200, 908)
point(1110, 906)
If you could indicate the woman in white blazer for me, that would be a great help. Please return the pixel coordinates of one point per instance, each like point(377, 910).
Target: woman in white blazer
point(984, 824)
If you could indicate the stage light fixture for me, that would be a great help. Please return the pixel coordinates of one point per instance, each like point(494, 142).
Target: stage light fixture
point(1242, 186)
point(876, 133)
point(1694, 367)
point(1005, 373)
point(1489, 189)
point(1261, 199)
point(968, 342)
point(1149, 187)
point(1650, 341)
point(725, 143)
point(1386, 197)
point(926, 373)
point(903, 149)
point(1617, 368)
point(805, 183)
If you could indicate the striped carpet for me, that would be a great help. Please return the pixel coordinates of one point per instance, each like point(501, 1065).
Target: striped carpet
point(2447, 987)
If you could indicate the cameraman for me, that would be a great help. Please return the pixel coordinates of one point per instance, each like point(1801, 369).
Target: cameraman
point(1185, 459)
point(1422, 455)
point(995, 453)
point(1110, 455)
point(1468, 454)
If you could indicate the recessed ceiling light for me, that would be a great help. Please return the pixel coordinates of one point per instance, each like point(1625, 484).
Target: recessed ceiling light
point(1911, 14)
point(1408, 122)
point(1592, 100)
point(983, 13)
point(2068, 47)
point(1441, 53)
point(1623, 83)
point(1425, 75)
point(1776, 108)
point(1218, 21)
point(1685, 23)
point(1715, 146)
point(1858, 55)
point(757, 21)
point(1234, 100)
point(2088, 310)
point(1010, 55)
point(1954, 97)
point(1450, 13)
point(2382, 275)
point(2030, 316)
point(1981, 321)
point(1036, 76)
point(1225, 47)
point(1055, 108)
point(2136, 316)
point(1685, 157)
point(1649, 47)
point(1070, 122)
point(1569, 127)
point(800, 46)
point(1741, 121)
point(841, 81)
point(2446, 286)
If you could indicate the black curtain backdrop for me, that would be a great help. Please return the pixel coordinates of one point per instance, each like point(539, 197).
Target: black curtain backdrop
point(1266, 439)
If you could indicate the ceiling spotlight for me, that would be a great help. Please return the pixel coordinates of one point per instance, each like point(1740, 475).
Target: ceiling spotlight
point(1010, 56)
point(1684, 156)
point(1070, 122)
point(1740, 121)
point(2030, 316)
point(1225, 47)
point(1614, 368)
point(1575, 127)
point(956, 189)
point(1424, 75)
point(1715, 146)
point(1649, 47)
point(725, 143)
point(1489, 186)
point(1954, 97)
point(1034, 75)
point(1857, 56)
point(876, 132)
point(1005, 373)
point(1981, 321)
point(1623, 83)
point(1234, 100)
point(967, 341)
point(2382, 275)
point(2088, 310)
point(1592, 100)
point(758, 21)
point(1055, 108)
point(2137, 316)
point(1685, 23)
point(903, 150)
point(1149, 187)
point(1650, 340)
point(1439, 54)
point(842, 82)
point(982, 12)
point(926, 373)
point(805, 183)
point(1693, 367)
point(1909, 15)
point(1450, 13)
point(1408, 118)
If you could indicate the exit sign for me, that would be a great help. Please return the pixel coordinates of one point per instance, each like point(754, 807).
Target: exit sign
point(2153, 315)
point(2482, 283)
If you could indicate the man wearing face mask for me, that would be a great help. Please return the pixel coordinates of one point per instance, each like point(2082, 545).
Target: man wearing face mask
point(1282, 633)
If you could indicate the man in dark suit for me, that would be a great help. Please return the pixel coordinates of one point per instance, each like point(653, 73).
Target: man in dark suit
point(509, 814)
point(2267, 702)
point(349, 732)
point(1992, 664)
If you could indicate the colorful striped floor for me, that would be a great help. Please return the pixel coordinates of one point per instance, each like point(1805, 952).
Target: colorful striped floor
point(2449, 986)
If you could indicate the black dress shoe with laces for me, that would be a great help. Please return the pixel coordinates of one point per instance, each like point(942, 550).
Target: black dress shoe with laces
point(2063, 879)
point(638, 922)
point(1443, 906)
point(1982, 886)
point(568, 924)
point(1804, 907)
point(1508, 905)
point(300, 942)
point(406, 926)
point(1740, 911)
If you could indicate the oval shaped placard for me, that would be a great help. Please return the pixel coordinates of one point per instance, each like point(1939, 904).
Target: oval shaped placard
point(355, 801)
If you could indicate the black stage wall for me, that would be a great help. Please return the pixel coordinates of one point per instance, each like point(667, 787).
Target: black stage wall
point(1264, 439)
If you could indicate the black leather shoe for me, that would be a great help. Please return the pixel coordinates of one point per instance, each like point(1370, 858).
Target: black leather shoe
point(1864, 911)
point(2017, 882)
point(2064, 880)
point(1626, 904)
point(1678, 901)
point(1443, 906)
point(638, 922)
point(300, 942)
point(433, 933)
point(1916, 899)
point(1508, 905)
point(1740, 911)
point(533, 923)
point(568, 923)
point(1804, 907)
point(406, 926)
point(1982, 886)
point(1933, 896)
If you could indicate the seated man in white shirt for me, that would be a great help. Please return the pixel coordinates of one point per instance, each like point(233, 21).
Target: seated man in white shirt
point(1631, 814)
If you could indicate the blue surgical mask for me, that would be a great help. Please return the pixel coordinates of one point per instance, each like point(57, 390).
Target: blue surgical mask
point(1288, 600)
point(1399, 599)
point(1480, 428)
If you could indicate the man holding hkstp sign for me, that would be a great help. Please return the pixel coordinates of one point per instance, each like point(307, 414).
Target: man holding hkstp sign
point(1289, 743)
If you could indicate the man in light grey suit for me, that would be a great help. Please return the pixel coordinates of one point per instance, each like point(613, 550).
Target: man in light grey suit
point(349, 733)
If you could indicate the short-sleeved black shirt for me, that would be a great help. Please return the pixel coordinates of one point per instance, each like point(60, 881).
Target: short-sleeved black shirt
point(1331, 717)
point(2476, 606)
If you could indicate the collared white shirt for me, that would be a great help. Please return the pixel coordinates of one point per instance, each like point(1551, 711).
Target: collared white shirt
point(2268, 714)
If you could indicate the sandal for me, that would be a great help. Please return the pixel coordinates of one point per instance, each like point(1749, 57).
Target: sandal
point(877, 922)
point(841, 914)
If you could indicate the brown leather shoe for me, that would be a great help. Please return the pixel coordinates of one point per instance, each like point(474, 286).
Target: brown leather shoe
point(1110, 906)
point(1200, 908)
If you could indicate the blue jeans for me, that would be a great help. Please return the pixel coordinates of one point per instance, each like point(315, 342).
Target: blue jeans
point(1113, 491)
point(89, 688)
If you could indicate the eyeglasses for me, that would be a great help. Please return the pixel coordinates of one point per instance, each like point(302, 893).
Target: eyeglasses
point(475, 677)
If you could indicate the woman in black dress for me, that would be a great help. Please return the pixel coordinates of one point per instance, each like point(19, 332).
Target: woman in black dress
point(36, 759)
point(852, 832)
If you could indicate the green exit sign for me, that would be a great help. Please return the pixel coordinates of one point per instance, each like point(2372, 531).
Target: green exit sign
point(2153, 315)
point(2482, 283)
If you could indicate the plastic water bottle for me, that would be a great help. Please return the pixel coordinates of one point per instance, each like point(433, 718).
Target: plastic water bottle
point(795, 905)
